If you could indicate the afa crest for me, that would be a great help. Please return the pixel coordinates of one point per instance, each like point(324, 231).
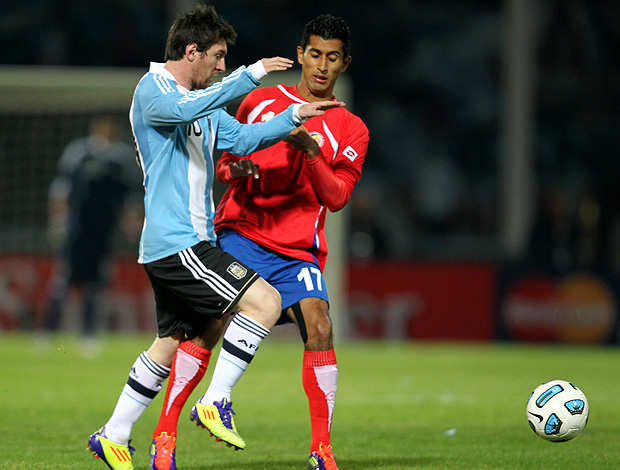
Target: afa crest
point(318, 137)
point(237, 270)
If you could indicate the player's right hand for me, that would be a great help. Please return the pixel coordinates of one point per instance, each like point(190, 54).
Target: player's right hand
point(276, 64)
point(243, 167)
point(301, 139)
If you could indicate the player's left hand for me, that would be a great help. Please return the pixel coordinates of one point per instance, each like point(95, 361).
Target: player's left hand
point(318, 108)
point(301, 139)
point(245, 167)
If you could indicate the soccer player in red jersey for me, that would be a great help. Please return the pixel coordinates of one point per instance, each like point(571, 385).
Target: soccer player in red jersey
point(272, 217)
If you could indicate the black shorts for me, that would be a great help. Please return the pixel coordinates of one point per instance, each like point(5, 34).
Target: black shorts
point(194, 285)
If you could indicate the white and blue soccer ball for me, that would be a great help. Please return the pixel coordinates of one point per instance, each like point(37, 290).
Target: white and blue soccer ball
point(557, 411)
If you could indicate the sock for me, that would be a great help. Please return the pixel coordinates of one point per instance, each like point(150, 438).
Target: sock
point(189, 366)
point(239, 345)
point(143, 384)
point(320, 378)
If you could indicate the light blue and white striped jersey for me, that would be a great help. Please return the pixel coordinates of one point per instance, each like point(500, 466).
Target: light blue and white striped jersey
point(176, 131)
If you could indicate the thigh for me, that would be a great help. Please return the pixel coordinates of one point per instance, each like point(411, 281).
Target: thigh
point(193, 285)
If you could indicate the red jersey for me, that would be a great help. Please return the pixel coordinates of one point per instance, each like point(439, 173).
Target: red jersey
point(284, 210)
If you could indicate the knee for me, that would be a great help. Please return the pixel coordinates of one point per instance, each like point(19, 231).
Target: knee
point(271, 302)
point(320, 328)
point(263, 303)
point(320, 333)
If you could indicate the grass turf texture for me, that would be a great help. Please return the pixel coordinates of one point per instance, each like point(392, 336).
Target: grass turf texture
point(399, 406)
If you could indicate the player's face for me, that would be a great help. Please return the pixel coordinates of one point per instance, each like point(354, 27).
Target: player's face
point(208, 64)
point(322, 62)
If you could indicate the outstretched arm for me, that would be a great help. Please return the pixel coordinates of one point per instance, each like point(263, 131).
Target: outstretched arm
point(318, 108)
point(161, 103)
point(243, 139)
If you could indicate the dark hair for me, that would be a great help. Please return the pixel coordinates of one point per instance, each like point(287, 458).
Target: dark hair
point(202, 26)
point(327, 27)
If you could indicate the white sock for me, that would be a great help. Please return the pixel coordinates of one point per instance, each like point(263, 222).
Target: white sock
point(144, 382)
point(239, 345)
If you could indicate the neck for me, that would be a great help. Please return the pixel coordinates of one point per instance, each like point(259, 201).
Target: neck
point(307, 94)
point(178, 72)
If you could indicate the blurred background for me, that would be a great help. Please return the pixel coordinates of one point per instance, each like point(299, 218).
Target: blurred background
point(489, 207)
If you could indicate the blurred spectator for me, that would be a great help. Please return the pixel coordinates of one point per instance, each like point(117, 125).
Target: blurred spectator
point(578, 143)
point(86, 198)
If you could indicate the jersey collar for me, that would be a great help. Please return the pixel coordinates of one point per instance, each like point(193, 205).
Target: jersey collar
point(292, 93)
point(159, 69)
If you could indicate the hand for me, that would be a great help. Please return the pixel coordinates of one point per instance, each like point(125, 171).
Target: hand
point(301, 139)
point(243, 167)
point(318, 108)
point(276, 64)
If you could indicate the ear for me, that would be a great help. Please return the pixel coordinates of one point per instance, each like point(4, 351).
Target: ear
point(346, 62)
point(300, 55)
point(191, 51)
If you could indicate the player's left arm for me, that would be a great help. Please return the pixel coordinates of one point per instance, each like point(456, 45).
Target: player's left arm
point(333, 182)
point(243, 139)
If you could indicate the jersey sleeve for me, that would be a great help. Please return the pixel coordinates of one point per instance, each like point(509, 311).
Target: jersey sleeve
point(243, 139)
point(334, 183)
point(162, 104)
point(222, 169)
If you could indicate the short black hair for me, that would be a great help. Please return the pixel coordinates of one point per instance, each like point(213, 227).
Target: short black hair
point(202, 26)
point(328, 27)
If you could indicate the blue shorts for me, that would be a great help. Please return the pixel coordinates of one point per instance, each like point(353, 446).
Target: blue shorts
point(293, 278)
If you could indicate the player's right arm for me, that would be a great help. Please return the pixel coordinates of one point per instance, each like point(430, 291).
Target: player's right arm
point(334, 181)
point(163, 104)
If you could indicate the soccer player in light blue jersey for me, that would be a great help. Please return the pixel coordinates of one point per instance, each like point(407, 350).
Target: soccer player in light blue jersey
point(178, 120)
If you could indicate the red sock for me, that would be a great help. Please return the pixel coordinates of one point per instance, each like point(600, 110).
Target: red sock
point(188, 367)
point(320, 377)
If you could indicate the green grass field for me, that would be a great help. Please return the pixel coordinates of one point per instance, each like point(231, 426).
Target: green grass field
point(399, 406)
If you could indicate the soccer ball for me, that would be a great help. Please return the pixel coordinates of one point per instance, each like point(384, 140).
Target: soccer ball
point(557, 411)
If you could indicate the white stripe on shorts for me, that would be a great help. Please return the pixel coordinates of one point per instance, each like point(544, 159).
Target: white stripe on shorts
point(201, 272)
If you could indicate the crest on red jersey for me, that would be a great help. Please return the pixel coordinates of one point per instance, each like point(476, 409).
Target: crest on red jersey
point(318, 137)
